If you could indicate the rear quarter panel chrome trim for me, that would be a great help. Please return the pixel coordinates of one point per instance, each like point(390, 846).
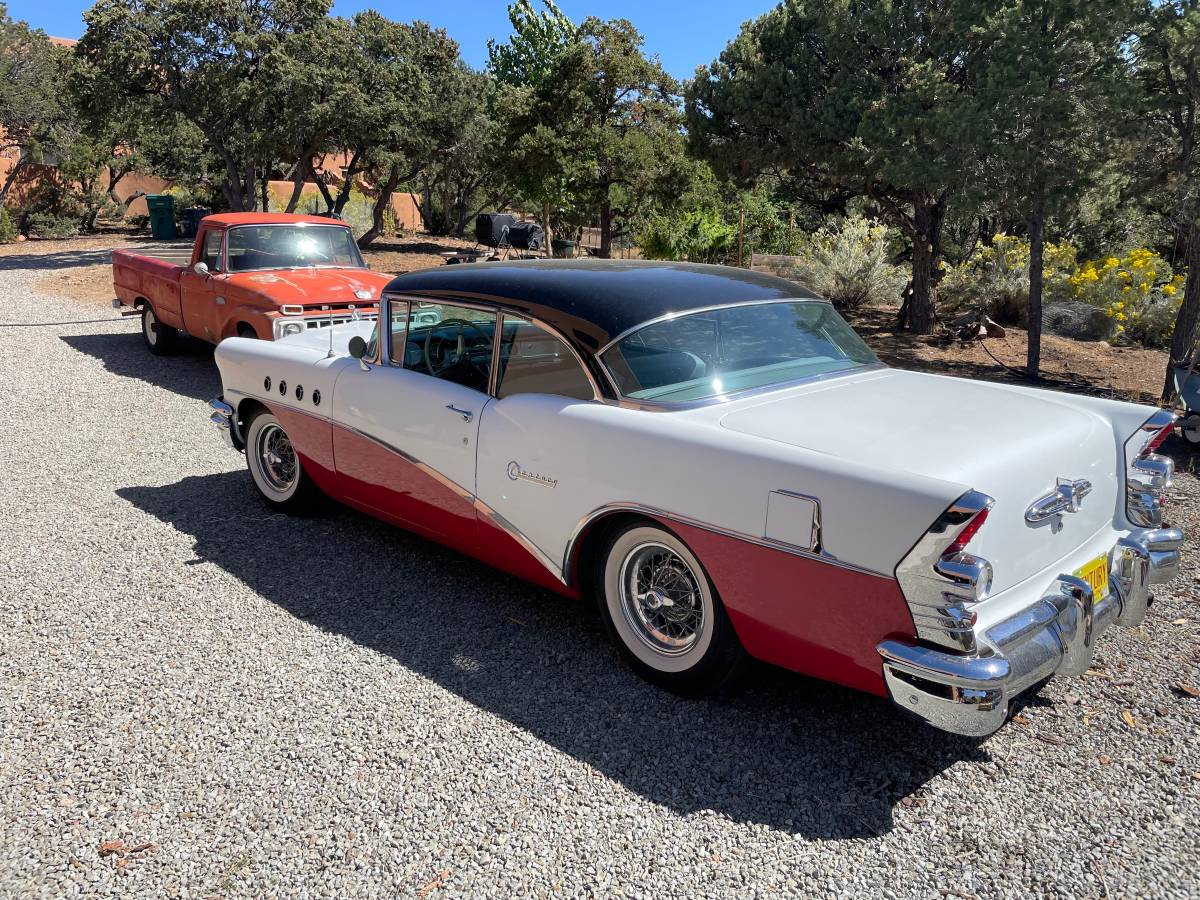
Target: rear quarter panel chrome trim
point(653, 512)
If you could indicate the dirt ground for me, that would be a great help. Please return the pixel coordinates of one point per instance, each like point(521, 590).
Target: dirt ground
point(1077, 366)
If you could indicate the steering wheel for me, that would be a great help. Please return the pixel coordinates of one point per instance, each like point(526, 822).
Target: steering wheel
point(460, 353)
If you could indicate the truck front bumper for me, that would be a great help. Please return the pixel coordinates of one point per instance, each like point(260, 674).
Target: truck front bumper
point(970, 694)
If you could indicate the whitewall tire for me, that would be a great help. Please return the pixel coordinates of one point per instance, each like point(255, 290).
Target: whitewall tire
point(275, 466)
point(159, 339)
point(663, 613)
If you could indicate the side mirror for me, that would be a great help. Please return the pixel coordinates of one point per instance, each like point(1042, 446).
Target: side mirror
point(358, 349)
point(201, 268)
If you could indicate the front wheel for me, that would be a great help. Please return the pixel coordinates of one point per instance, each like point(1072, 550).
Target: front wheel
point(1189, 428)
point(160, 339)
point(275, 467)
point(659, 606)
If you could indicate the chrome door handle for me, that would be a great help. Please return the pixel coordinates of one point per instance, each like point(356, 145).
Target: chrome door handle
point(466, 414)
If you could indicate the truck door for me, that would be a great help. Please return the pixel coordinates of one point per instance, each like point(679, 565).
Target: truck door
point(201, 296)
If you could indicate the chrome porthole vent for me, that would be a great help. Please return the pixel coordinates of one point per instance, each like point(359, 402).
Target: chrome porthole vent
point(299, 392)
point(267, 383)
point(316, 398)
point(283, 389)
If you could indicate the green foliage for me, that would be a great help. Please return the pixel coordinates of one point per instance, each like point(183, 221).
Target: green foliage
point(538, 40)
point(849, 263)
point(36, 119)
point(48, 224)
point(698, 236)
point(220, 64)
point(8, 230)
point(602, 133)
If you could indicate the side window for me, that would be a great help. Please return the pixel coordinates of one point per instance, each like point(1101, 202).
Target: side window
point(534, 361)
point(211, 254)
point(453, 343)
point(397, 320)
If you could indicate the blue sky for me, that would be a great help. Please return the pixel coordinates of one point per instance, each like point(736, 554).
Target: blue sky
point(684, 33)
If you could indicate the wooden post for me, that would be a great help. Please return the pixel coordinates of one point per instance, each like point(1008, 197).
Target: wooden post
point(741, 234)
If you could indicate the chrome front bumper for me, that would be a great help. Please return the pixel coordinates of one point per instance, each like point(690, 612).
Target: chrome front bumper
point(1057, 635)
point(222, 417)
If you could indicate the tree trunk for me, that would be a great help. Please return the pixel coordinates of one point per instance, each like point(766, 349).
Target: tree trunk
point(928, 215)
point(380, 207)
point(264, 186)
point(297, 187)
point(1184, 337)
point(605, 230)
point(546, 228)
point(1037, 233)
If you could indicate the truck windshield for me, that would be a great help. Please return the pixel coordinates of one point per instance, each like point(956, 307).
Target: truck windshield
point(720, 351)
point(256, 247)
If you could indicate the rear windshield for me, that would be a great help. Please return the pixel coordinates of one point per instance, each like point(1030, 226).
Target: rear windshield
point(251, 247)
point(720, 351)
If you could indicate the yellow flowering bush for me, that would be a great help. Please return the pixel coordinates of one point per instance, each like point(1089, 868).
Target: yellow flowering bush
point(995, 278)
point(1139, 293)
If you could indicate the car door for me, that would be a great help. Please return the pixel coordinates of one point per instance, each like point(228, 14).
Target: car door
point(535, 459)
point(406, 449)
point(201, 296)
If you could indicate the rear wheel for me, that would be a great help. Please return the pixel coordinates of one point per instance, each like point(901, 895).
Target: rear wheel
point(1189, 428)
point(663, 612)
point(160, 339)
point(275, 466)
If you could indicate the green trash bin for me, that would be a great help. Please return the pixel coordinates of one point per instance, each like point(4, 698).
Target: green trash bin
point(162, 216)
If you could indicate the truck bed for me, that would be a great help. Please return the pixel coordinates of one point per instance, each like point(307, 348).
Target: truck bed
point(152, 274)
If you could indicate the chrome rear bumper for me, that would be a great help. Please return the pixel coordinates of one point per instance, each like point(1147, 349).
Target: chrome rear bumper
point(1057, 635)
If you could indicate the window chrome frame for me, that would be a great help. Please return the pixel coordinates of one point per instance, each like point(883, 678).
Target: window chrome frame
point(628, 402)
point(500, 311)
point(230, 229)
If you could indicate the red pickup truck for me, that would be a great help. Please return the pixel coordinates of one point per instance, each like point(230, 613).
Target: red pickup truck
point(261, 275)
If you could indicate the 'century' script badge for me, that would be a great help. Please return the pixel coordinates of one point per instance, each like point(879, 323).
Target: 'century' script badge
point(515, 471)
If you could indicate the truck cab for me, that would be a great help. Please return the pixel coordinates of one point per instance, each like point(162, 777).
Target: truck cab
point(259, 275)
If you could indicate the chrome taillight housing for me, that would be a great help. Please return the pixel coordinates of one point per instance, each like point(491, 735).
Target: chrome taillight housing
point(942, 581)
point(1148, 474)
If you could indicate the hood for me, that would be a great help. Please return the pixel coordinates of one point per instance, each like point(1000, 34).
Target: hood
point(336, 337)
point(314, 286)
point(1011, 443)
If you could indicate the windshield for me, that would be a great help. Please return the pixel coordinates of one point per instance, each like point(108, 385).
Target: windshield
point(251, 247)
point(705, 354)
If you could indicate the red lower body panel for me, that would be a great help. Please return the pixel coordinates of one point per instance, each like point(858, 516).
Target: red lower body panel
point(802, 614)
point(791, 611)
point(312, 439)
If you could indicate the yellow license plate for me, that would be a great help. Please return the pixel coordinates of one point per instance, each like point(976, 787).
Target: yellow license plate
point(1095, 573)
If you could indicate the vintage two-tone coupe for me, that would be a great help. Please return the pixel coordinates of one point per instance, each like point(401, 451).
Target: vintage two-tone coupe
point(719, 461)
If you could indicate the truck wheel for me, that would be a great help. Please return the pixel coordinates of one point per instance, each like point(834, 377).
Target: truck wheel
point(247, 331)
point(160, 339)
point(664, 615)
point(275, 467)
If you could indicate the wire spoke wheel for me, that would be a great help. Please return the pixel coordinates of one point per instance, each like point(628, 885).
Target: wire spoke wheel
point(277, 457)
point(661, 599)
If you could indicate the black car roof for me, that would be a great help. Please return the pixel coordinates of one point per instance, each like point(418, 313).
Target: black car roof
point(591, 301)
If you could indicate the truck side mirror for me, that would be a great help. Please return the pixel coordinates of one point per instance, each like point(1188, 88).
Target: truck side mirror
point(201, 268)
point(358, 349)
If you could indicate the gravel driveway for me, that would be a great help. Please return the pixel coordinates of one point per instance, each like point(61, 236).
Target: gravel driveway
point(199, 698)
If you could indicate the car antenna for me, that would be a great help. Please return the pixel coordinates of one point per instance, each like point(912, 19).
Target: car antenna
point(330, 310)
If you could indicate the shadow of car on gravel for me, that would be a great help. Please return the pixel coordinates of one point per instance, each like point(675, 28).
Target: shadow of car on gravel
point(784, 751)
point(189, 372)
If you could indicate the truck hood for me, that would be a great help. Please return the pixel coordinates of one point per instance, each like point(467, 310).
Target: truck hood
point(314, 286)
point(1011, 443)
